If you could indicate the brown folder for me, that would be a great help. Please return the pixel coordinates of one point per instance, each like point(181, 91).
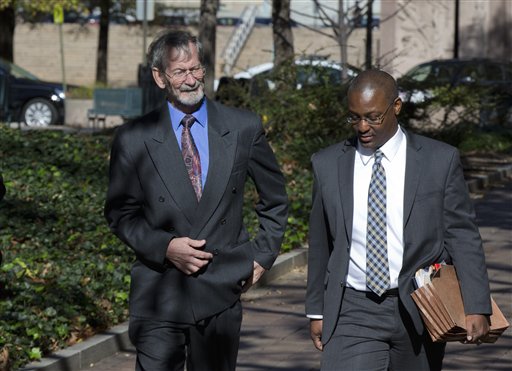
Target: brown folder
point(441, 307)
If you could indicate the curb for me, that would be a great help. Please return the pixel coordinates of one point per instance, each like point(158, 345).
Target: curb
point(100, 346)
point(479, 182)
point(89, 351)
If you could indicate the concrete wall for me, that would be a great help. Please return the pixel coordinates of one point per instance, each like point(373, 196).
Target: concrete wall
point(37, 49)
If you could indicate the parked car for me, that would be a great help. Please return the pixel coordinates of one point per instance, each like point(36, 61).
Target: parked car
point(493, 78)
point(309, 72)
point(25, 98)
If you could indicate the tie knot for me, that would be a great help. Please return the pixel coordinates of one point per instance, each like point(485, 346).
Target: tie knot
point(188, 121)
point(378, 156)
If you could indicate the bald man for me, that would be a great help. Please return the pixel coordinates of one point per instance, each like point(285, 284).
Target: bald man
point(385, 204)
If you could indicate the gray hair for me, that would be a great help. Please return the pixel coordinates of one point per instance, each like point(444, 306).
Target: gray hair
point(160, 49)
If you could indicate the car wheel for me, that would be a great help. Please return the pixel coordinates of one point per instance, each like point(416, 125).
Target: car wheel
point(39, 112)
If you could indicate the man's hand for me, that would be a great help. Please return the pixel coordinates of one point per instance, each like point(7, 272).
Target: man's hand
point(315, 330)
point(477, 326)
point(257, 272)
point(187, 255)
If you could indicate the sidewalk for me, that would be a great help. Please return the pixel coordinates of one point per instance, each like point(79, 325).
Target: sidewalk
point(275, 333)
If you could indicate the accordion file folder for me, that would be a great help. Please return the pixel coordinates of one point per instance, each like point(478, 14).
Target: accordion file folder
point(441, 307)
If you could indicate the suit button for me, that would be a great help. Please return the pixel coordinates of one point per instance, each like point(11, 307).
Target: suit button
point(215, 251)
point(171, 229)
point(223, 221)
point(161, 199)
point(233, 190)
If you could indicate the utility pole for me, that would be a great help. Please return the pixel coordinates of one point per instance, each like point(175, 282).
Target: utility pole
point(456, 31)
point(58, 18)
point(144, 32)
point(369, 29)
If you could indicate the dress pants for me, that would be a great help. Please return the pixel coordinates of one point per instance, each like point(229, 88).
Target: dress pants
point(375, 333)
point(211, 344)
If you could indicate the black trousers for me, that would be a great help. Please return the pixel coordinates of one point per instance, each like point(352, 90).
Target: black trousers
point(211, 344)
point(377, 334)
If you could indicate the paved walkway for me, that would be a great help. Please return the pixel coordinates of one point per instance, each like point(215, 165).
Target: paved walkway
point(275, 332)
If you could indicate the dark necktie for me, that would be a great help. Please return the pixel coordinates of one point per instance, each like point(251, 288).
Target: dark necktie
point(377, 269)
point(191, 155)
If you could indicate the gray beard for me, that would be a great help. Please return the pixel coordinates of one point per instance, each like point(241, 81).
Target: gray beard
point(185, 98)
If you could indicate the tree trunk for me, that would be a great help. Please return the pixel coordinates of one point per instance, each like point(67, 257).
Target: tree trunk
point(207, 35)
point(101, 62)
point(7, 23)
point(282, 32)
point(343, 38)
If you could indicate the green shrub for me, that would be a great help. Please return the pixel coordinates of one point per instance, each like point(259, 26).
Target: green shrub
point(64, 275)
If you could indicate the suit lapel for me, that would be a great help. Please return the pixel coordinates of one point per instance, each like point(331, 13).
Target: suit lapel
point(166, 155)
point(346, 182)
point(412, 175)
point(222, 148)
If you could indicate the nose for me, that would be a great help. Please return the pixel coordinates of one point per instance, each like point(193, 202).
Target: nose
point(359, 126)
point(189, 79)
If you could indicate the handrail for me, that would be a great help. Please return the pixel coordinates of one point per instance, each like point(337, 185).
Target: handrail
point(239, 37)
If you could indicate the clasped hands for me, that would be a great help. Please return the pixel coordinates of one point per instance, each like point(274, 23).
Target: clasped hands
point(188, 256)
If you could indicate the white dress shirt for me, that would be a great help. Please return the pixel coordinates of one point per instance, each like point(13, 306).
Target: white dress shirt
point(394, 164)
point(394, 151)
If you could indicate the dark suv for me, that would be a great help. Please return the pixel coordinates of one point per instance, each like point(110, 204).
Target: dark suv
point(493, 78)
point(25, 98)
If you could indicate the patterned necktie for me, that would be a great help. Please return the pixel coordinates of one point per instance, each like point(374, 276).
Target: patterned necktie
point(377, 270)
point(191, 155)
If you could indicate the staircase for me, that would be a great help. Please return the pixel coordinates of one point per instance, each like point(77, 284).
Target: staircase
point(238, 38)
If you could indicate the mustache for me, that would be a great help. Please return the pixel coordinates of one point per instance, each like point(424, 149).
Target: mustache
point(187, 88)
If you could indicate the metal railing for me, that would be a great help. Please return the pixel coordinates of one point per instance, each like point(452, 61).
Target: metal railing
point(238, 38)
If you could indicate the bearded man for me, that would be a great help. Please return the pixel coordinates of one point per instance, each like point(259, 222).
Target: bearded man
point(175, 197)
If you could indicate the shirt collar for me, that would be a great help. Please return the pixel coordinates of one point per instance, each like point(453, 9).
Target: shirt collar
point(176, 115)
point(390, 148)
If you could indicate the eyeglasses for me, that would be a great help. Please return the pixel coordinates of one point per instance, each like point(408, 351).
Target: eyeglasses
point(179, 76)
point(374, 121)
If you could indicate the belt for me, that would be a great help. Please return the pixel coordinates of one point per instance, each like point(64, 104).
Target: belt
point(391, 293)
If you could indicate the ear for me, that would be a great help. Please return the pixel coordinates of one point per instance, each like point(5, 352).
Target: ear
point(397, 107)
point(157, 76)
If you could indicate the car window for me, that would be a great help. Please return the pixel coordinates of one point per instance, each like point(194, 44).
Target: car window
point(17, 71)
point(443, 74)
point(507, 71)
point(494, 72)
point(419, 74)
point(472, 73)
point(313, 75)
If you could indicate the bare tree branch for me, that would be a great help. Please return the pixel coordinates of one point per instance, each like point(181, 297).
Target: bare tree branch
point(334, 37)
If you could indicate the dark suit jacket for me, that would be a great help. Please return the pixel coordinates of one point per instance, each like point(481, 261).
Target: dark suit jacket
point(438, 218)
point(150, 200)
